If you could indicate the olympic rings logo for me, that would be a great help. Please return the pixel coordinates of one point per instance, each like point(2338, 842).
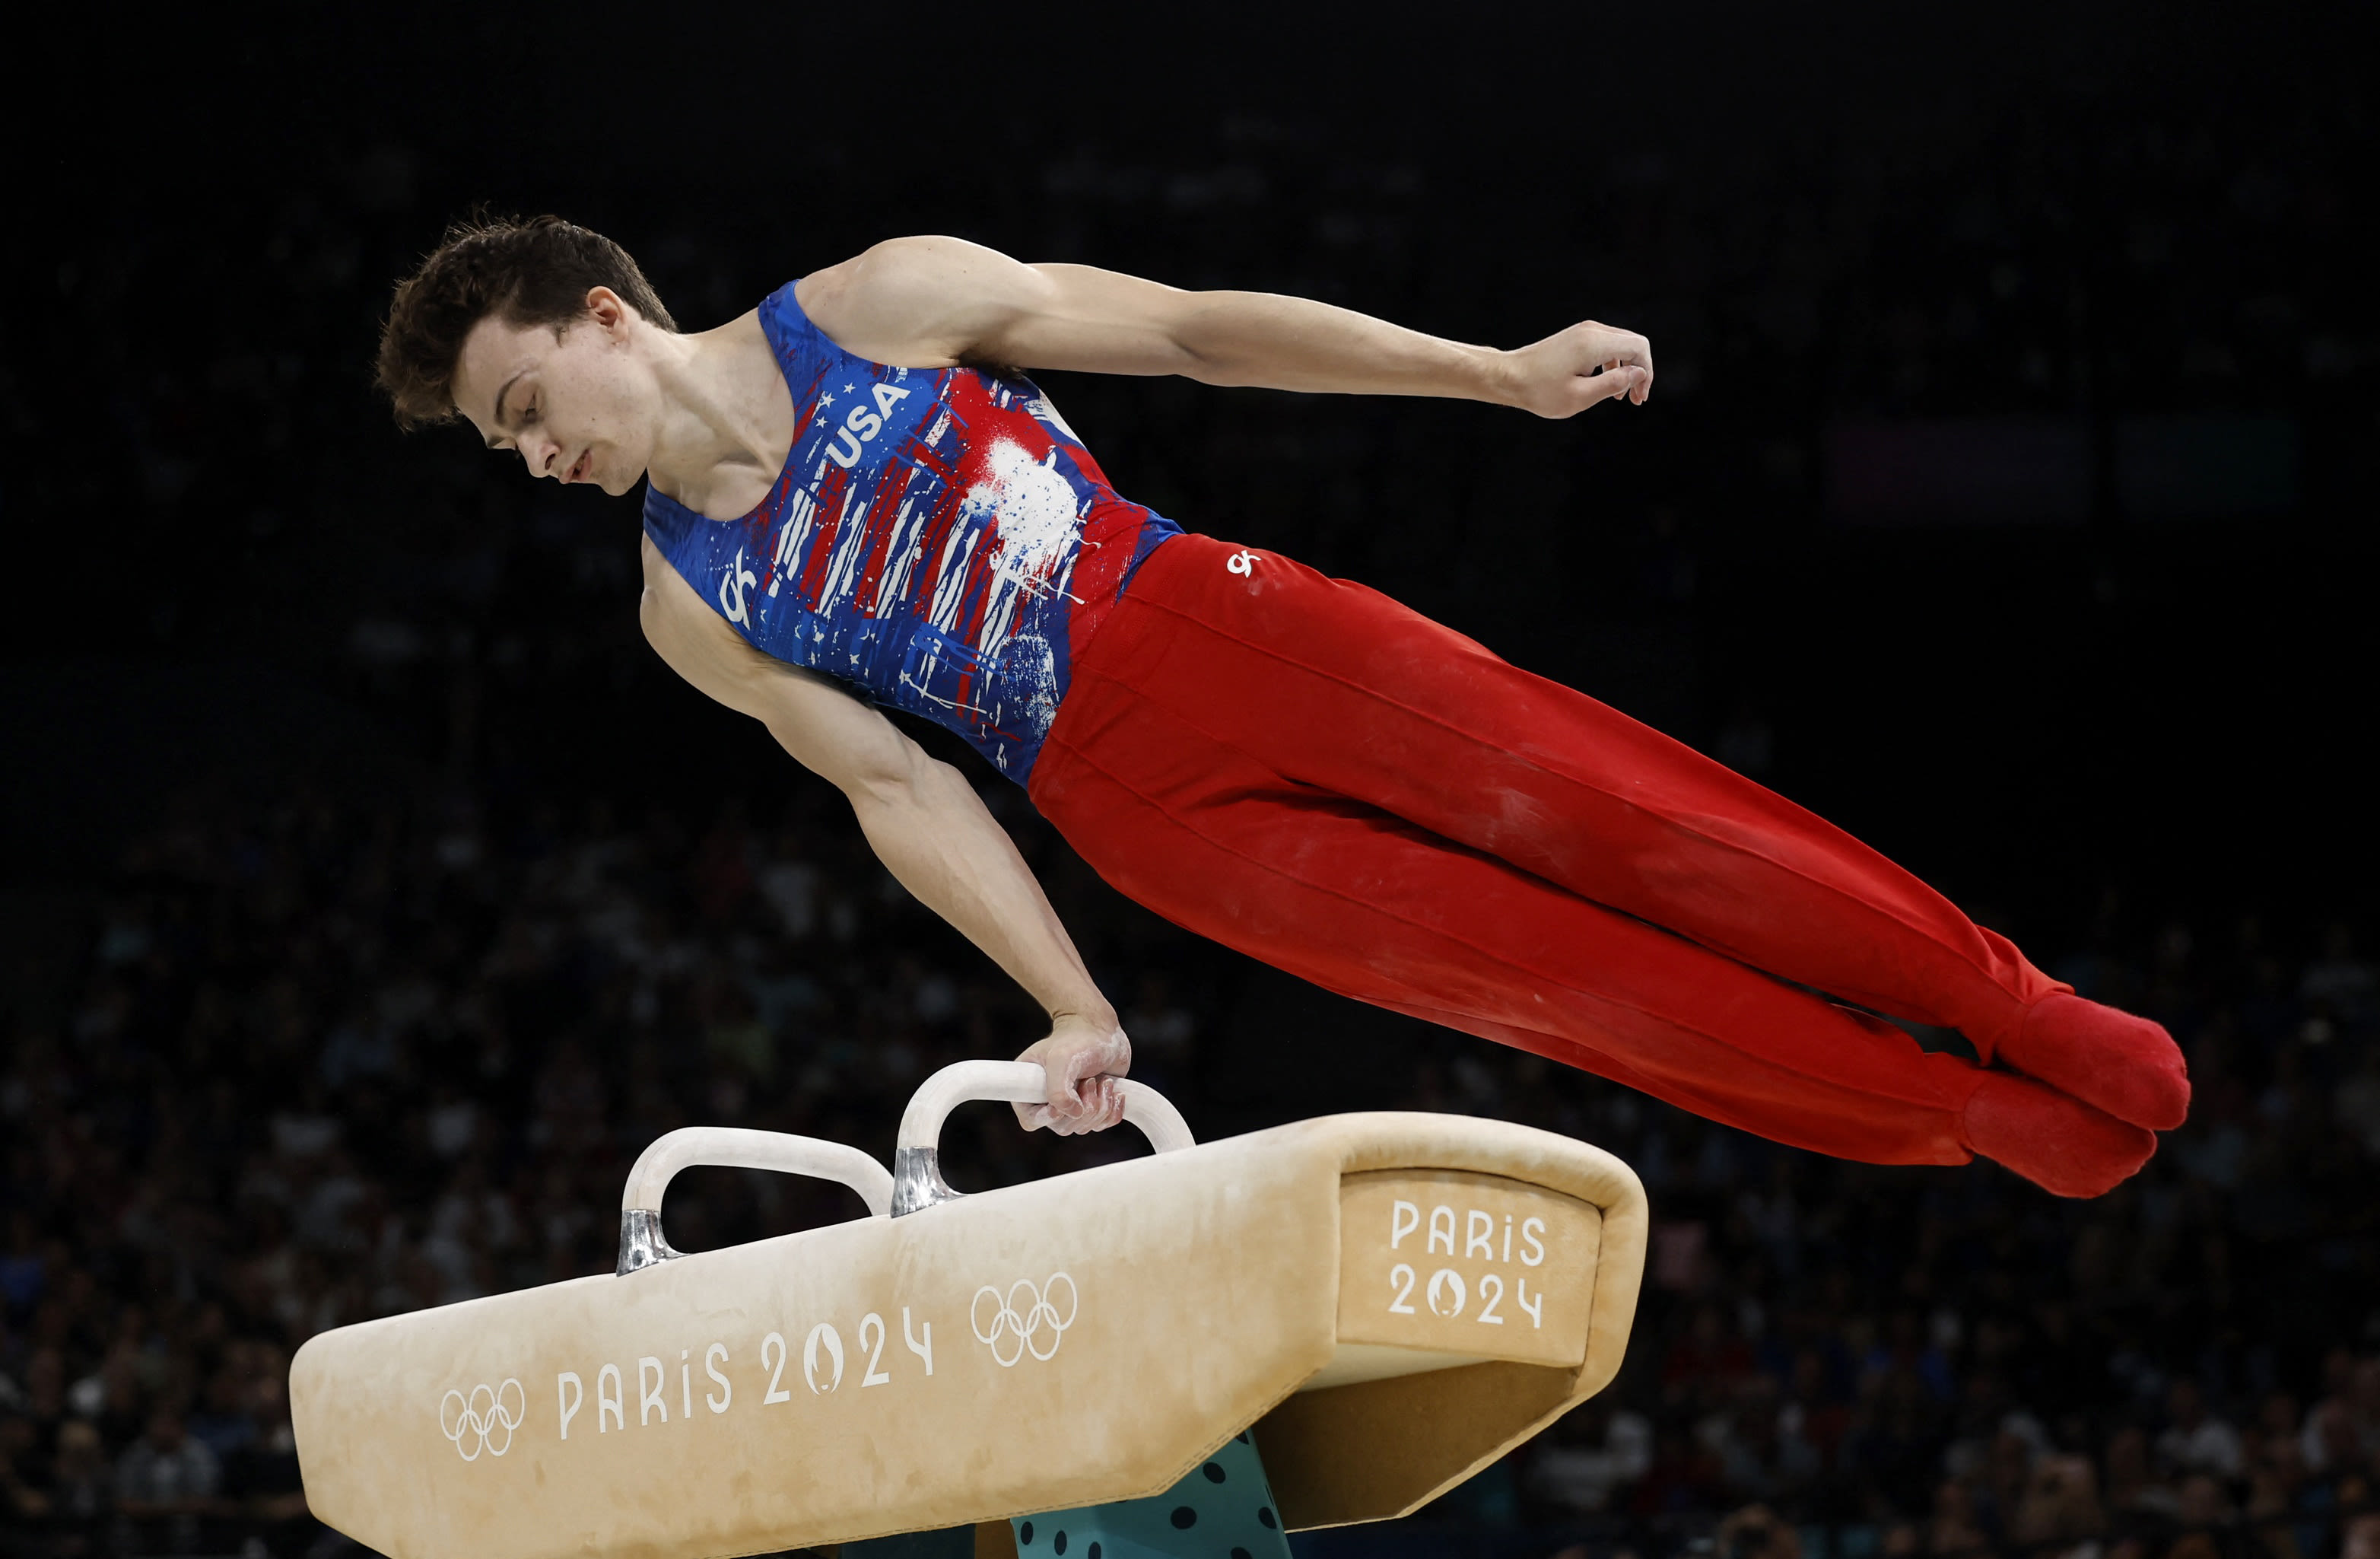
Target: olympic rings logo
point(1027, 1323)
point(467, 1422)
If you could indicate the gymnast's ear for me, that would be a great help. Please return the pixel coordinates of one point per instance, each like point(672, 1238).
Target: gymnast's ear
point(610, 312)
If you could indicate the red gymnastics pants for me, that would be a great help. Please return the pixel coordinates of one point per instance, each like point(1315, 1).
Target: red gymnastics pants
point(1309, 772)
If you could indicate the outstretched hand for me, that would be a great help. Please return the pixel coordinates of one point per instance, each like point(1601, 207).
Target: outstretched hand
point(1572, 370)
point(1084, 1061)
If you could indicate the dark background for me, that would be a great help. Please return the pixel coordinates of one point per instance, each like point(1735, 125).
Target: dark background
point(2005, 496)
point(2071, 215)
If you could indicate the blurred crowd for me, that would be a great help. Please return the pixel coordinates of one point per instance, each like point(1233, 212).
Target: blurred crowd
point(323, 1063)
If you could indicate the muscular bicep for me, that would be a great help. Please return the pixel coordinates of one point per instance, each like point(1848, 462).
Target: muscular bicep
point(931, 303)
point(825, 729)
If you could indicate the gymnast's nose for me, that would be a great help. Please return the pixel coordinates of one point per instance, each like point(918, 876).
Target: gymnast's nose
point(541, 453)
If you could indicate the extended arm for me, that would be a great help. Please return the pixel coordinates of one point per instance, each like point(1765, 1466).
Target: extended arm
point(932, 303)
point(928, 828)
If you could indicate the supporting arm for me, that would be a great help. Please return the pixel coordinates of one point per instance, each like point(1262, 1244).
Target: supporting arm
point(927, 826)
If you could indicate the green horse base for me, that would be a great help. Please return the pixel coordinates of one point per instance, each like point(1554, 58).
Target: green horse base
point(1223, 1510)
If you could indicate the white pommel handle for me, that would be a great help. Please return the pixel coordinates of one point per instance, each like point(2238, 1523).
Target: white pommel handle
point(918, 1181)
point(737, 1149)
point(1024, 1082)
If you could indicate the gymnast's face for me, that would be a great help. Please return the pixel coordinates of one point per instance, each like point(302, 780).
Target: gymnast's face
point(580, 406)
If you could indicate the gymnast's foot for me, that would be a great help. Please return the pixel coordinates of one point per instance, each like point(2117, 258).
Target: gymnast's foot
point(2060, 1144)
point(2126, 1066)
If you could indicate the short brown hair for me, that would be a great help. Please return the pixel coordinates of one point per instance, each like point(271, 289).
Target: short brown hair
point(532, 273)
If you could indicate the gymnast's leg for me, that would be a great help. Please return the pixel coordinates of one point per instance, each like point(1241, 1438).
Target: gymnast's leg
point(1336, 686)
point(1373, 906)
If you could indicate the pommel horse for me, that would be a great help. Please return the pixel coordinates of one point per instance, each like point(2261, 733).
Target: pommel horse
point(1390, 1301)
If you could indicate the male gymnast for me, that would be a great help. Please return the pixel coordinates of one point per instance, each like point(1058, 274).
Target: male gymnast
point(854, 488)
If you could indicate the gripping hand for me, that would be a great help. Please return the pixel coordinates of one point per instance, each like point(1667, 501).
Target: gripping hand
point(1084, 1059)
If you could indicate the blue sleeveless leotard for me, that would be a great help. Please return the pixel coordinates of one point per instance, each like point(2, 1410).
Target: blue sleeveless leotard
point(939, 538)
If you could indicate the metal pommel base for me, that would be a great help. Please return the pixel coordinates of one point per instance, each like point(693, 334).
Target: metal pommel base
point(642, 1243)
point(917, 1183)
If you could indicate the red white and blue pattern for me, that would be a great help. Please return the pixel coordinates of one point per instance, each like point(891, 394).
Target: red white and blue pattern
point(938, 537)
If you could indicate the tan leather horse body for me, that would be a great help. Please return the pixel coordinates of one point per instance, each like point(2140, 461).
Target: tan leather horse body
point(1392, 1300)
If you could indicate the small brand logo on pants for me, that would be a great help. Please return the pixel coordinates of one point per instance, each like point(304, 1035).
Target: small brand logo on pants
point(1241, 563)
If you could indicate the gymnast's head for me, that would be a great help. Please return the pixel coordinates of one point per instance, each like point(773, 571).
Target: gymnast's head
point(542, 335)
